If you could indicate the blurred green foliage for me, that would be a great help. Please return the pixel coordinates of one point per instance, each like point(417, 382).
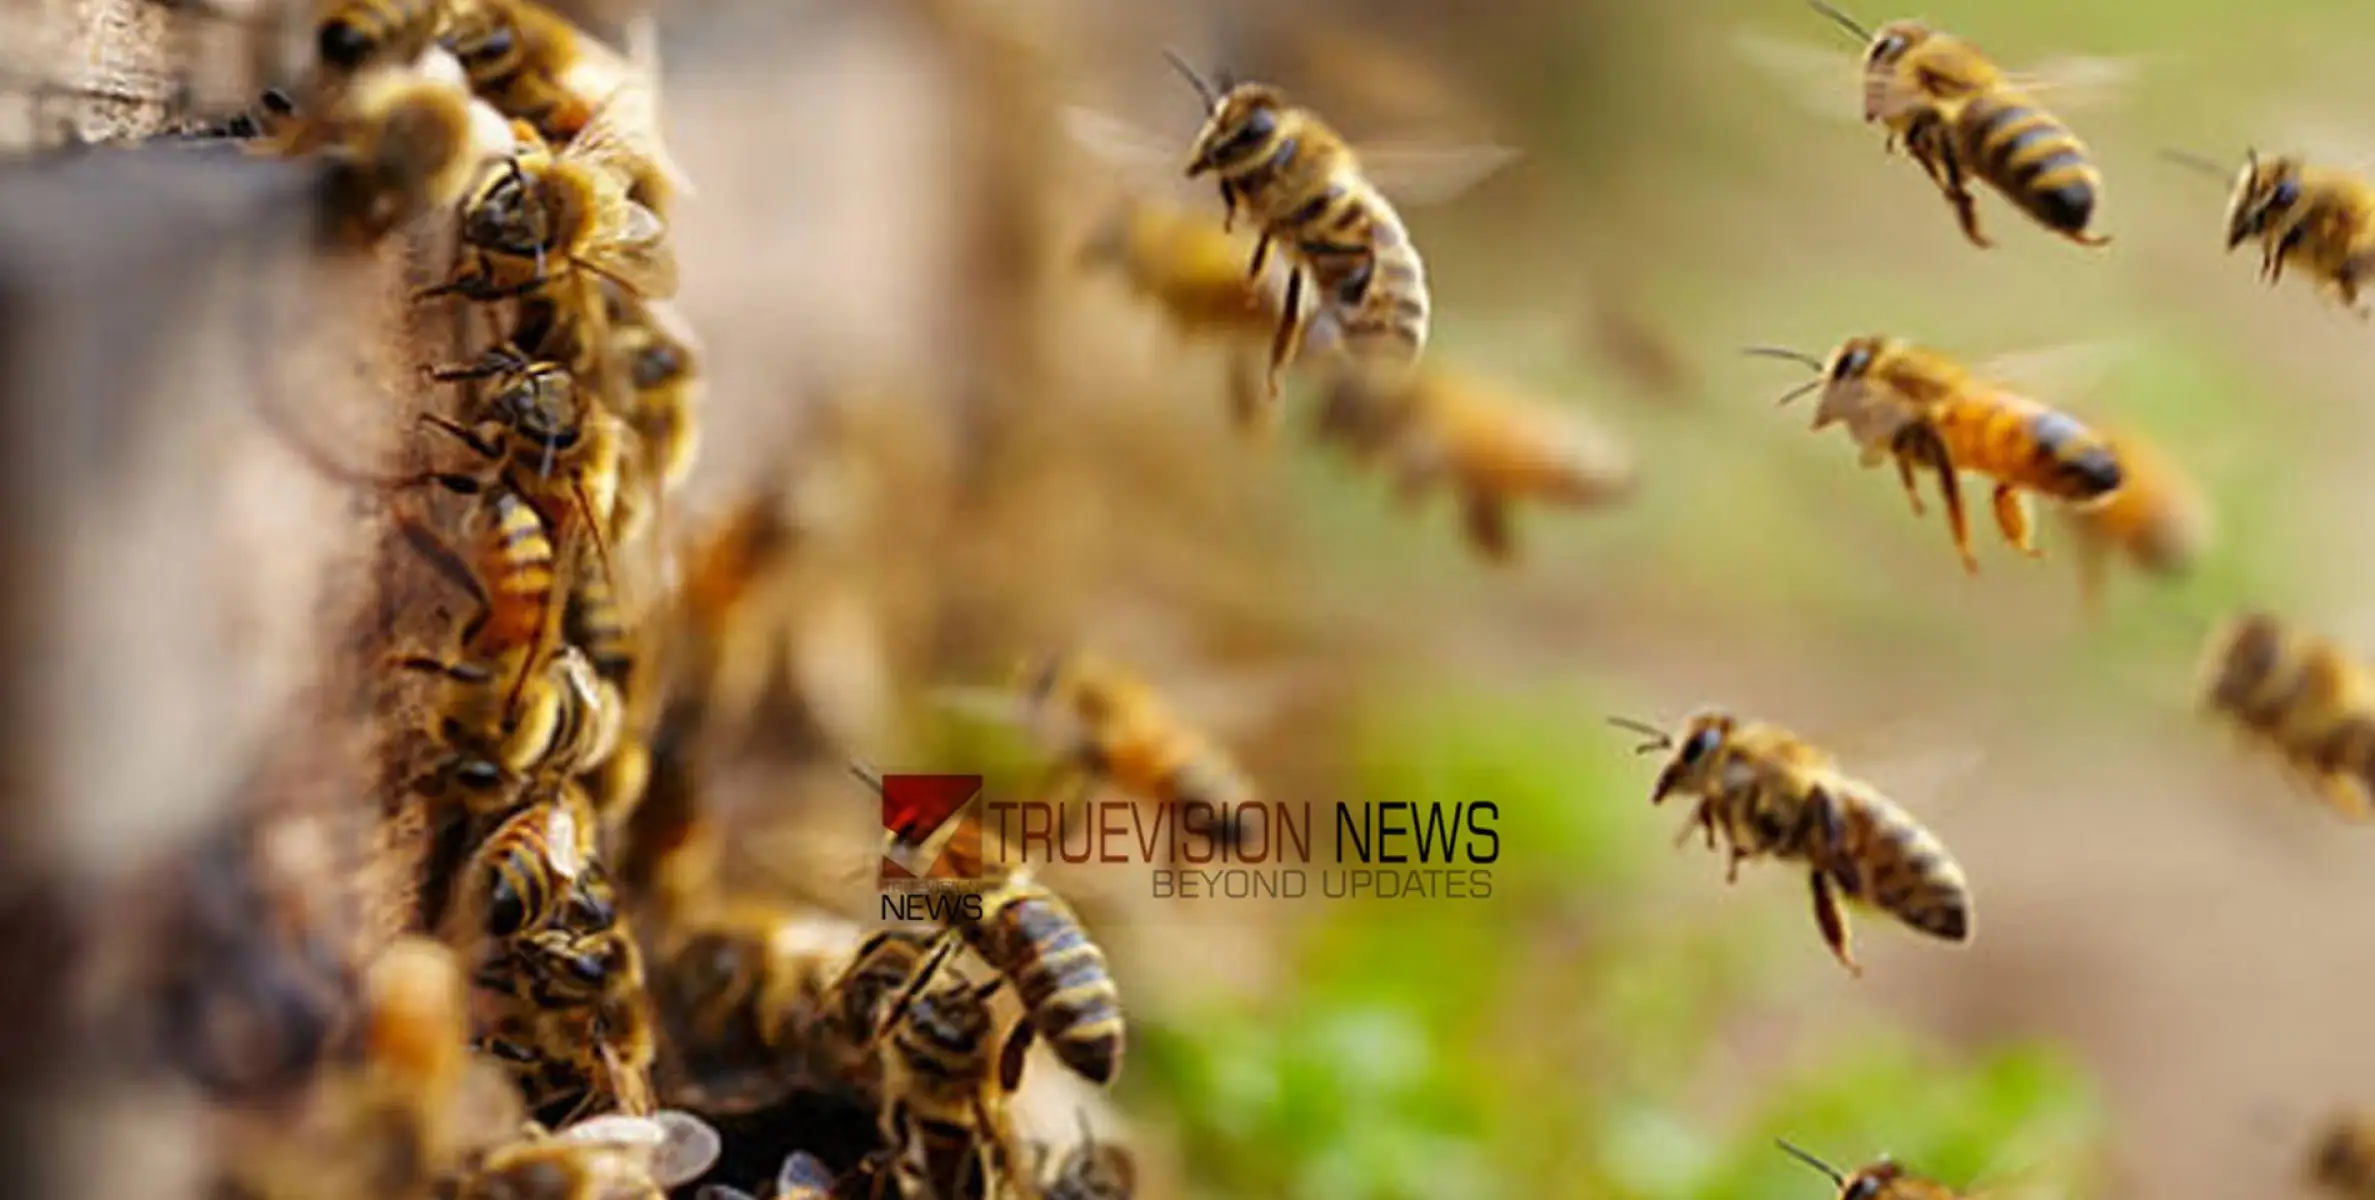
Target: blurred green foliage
point(1547, 1041)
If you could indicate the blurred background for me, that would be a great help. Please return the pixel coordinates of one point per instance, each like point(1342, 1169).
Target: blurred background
point(995, 451)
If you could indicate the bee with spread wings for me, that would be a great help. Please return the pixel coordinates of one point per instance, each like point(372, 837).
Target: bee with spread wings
point(1322, 201)
point(1962, 116)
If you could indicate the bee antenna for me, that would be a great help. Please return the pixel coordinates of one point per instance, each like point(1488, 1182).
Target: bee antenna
point(1204, 87)
point(1811, 1161)
point(1850, 24)
point(1659, 738)
point(866, 775)
point(2196, 162)
point(1783, 352)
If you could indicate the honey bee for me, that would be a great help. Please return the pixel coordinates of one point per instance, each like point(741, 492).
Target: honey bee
point(1109, 725)
point(2300, 695)
point(609, 1157)
point(1328, 204)
point(1773, 795)
point(1883, 1180)
point(1493, 446)
point(946, 1076)
point(352, 34)
point(551, 223)
point(525, 872)
point(2158, 519)
point(2343, 1160)
point(535, 66)
point(1962, 118)
point(660, 360)
point(1193, 272)
point(2319, 219)
point(1091, 1170)
point(1037, 942)
point(402, 143)
point(567, 1014)
point(757, 1001)
point(1925, 410)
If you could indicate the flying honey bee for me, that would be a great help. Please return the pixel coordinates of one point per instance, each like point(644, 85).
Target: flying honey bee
point(1494, 447)
point(2342, 1162)
point(1090, 1170)
point(2158, 519)
point(2300, 695)
point(1883, 1180)
point(612, 1157)
point(1192, 271)
point(1326, 203)
point(1927, 411)
point(946, 1076)
point(1962, 117)
point(2316, 218)
point(1771, 794)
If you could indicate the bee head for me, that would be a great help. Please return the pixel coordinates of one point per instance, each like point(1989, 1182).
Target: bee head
point(1694, 751)
point(1854, 358)
point(1243, 125)
point(2265, 191)
point(540, 402)
point(1893, 41)
point(1870, 1182)
point(507, 215)
point(342, 44)
point(478, 35)
point(656, 362)
point(2243, 657)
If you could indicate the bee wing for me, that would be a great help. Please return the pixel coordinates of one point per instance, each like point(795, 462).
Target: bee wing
point(2060, 375)
point(688, 1148)
point(1412, 174)
point(2080, 81)
point(637, 254)
point(802, 1175)
point(1143, 157)
point(1823, 81)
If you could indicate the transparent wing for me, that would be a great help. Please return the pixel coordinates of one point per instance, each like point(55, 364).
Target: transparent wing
point(1415, 175)
point(1822, 80)
point(2078, 82)
point(616, 1129)
point(2317, 138)
point(637, 254)
point(622, 135)
point(1144, 158)
point(689, 1148)
point(802, 1175)
point(2060, 375)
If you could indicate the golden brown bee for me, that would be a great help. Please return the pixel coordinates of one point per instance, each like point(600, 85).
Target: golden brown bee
point(567, 1014)
point(610, 1157)
point(1926, 410)
point(1962, 118)
point(2302, 696)
point(1038, 943)
point(1189, 268)
point(403, 143)
point(2343, 1160)
point(1773, 795)
point(1883, 1180)
point(1090, 1170)
point(946, 1076)
point(1303, 186)
point(659, 360)
point(524, 874)
point(1111, 726)
point(2158, 519)
point(352, 34)
point(551, 225)
point(1443, 427)
point(757, 1001)
point(534, 66)
point(2316, 218)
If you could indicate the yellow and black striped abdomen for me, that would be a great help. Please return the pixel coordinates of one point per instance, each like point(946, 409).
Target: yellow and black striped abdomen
point(519, 571)
point(2023, 443)
point(2031, 157)
point(1371, 283)
point(1887, 860)
point(1038, 943)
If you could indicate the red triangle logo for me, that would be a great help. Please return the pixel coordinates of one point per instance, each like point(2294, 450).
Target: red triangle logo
point(915, 808)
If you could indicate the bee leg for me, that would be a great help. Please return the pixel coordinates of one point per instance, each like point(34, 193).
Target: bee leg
point(1928, 143)
point(1261, 257)
point(1289, 337)
point(1833, 921)
point(464, 434)
point(469, 673)
point(1950, 489)
point(1228, 203)
point(1912, 485)
point(2012, 517)
point(1488, 527)
point(1732, 865)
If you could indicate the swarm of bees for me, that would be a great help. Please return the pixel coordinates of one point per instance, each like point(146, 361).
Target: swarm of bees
point(585, 995)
